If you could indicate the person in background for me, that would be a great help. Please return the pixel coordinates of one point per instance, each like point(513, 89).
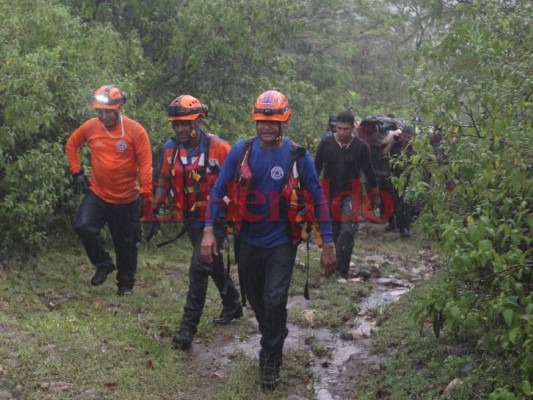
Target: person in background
point(436, 141)
point(121, 157)
point(190, 165)
point(399, 144)
point(260, 177)
point(332, 124)
point(342, 157)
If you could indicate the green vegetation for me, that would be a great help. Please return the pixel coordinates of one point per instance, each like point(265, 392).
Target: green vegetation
point(63, 338)
point(465, 67)
point(484, 224)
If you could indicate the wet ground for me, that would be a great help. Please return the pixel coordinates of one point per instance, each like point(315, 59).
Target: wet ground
point(346, 355)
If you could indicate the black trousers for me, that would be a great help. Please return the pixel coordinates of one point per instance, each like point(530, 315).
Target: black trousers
point(267, 278)
point(199, 272)
point(404, 211)
point(385, 184)
point(124, 223)
point(344, 237)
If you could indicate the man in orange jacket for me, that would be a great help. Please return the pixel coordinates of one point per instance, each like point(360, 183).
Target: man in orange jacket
point(121, 172)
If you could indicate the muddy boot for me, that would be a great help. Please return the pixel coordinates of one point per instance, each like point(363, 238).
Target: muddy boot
point(270, 366)
point(405, 232)
point(391, 227)
point(101, 275)
point(183, 339)
point(229, 313)
point(124, 291)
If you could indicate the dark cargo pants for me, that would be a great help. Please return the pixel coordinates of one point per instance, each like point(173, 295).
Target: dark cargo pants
point(344, 237)
point(267, 277)
point(124, 223)
point(199, 272)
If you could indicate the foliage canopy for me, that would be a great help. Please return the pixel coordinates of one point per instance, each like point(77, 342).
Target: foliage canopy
point(467, 65)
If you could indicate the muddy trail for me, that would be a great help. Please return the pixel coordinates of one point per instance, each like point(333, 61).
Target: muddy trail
point(346, 352)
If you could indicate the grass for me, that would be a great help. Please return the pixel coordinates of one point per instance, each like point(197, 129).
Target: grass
point(64, 339)
point(419, 366)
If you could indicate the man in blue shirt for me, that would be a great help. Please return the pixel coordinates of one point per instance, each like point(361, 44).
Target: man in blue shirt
point(266, 169)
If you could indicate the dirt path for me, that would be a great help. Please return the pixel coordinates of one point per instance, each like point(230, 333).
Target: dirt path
point(346, 355)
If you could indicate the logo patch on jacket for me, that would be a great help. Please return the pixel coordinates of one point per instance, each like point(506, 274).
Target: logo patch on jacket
point(121, 145)
point(276, 173)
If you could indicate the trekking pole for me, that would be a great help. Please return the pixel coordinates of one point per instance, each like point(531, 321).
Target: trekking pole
point(306, 288)
point(228, 267)
point(236, 252)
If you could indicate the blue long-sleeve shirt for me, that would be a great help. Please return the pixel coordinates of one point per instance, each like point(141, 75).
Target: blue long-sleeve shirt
point(269, 171)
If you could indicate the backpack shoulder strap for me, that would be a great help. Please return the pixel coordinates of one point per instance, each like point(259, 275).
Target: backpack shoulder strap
point(297, 151)
point(243, 159)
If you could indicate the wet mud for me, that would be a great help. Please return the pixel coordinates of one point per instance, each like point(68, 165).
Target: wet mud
point(345, 355)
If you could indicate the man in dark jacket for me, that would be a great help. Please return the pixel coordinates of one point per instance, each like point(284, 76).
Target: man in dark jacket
point(342, 157)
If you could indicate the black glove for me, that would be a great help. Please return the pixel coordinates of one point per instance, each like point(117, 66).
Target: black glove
point(152, 227)
point(80, 183)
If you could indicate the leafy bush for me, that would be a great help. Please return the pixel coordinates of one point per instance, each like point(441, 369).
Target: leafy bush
point(482, 87)
point(50, 64)
point(38, 188)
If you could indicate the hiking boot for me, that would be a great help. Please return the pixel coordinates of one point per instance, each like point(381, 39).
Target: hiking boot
point(342, 275)
point(270, 377)
point(405, 232)
point(270, 367)
point(183, 339)
point(101, 275)
point(229, 314)
point(124, 291)
point(391, 227)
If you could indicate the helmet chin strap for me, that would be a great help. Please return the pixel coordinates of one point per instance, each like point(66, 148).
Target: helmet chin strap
point(280, 136)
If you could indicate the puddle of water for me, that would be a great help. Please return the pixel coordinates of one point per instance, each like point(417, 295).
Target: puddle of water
point(332, 373)
point(383, 293)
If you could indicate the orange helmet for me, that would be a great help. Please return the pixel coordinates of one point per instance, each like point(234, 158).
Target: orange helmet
point(109, 97)
point(186, 108)
point(271, 106)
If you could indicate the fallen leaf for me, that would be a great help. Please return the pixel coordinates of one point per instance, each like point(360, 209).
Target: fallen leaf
point(451, 386)
point(310, 316)
point(358, 336)
point(221, 374)
point(100, 305)
point(149, 364)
